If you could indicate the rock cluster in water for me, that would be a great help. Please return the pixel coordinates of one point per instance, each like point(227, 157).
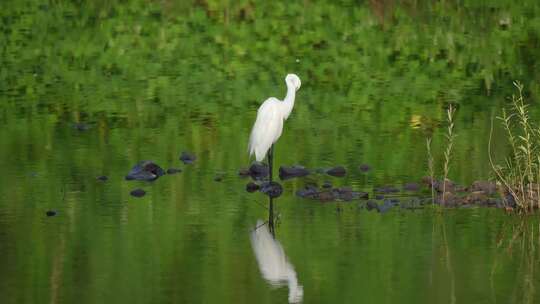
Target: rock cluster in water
point(145, 170)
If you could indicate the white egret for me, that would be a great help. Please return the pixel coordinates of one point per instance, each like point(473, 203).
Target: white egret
point(269, 123)
point(273, 263)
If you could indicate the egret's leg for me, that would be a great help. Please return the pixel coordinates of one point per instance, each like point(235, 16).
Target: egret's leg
point(271, 217)
point(271, 161)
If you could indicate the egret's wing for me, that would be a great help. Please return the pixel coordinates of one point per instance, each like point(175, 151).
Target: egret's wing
point(267, 128)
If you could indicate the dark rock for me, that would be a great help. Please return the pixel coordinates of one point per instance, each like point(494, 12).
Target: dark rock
point(371, 204)
point(489, 188)
point(102, 178)
point(292, 172)
point(187, 157)
point(413, 203)
point(364, 168)
point(138, 192)
point(219, 177)
point(385, 207)
point(308, 192)
point(447, 186)
point(258, 170)
point(51, 213)
point(394, 201)
point(448, 200)
point(173, 170)
point(360, 195)
point(476, 197)
point(327, 185)
point(509, 200)
point(338, 171)
point(244, 172)
point(145, 170)
point(81, 126)
point(326, 196)
point(272, 189)
point(379, 197)
point(411, 187)
point(344, 193)
point(252, 187)
point(386, 189)
point(428, 181)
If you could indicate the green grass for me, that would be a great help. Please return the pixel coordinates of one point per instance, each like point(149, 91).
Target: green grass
point(519, 176)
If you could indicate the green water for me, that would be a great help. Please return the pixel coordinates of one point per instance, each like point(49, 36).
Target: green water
point(151, 79)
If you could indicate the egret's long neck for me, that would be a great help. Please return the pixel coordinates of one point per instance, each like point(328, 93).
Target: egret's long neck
point(288, 102)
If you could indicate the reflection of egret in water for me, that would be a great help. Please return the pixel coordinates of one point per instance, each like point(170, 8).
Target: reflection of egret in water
point(273, 263)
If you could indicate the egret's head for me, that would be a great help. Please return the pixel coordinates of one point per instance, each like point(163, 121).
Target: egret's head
point(293, 80)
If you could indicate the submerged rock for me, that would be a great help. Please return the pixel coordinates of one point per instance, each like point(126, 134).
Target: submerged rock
point(371, 204)
point(386, 189)
point(187, 157)
point(258, 170)
point(219, 177)
point(476, 197)
point(411, 187)
point(51, 213)
point(449, 199)
point(308, 192)
point(446, 186)
point(379, 197)
point(102, 178)
point(292, 172)
point(326, 196)
point(385, 207)
point(327, 185)
point(338, 171)
point(364, 168)
point(272, 189)
point(146, 171)
point(413, 203)
point(487, 187)
point(81, 126)
point(173, 170)
point(243, 172)
point(138, 192)
point(252, 187)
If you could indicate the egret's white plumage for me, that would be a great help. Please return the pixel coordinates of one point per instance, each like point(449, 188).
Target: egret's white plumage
point(270, 117)
point(273, 263)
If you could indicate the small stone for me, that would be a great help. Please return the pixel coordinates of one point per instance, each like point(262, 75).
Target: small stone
point(327, 185)
point(326, 196)
point(272, 189)
point(219, 177)
point(489, 188)
point(187, 157)
point(307, 192)
point(81, 126)
point(145, 170)
point(292, 172)
point(385, 207)
point(411, 187)
point(371, 204)
point(258, 170)
point(51, 212)
point(386, 189)
point(338, 171)
point(138, 193)
point(102, 178)
point(252, 187)
point(379, 197)
point(364, 168)
point(243, 172)
point(173, 170)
